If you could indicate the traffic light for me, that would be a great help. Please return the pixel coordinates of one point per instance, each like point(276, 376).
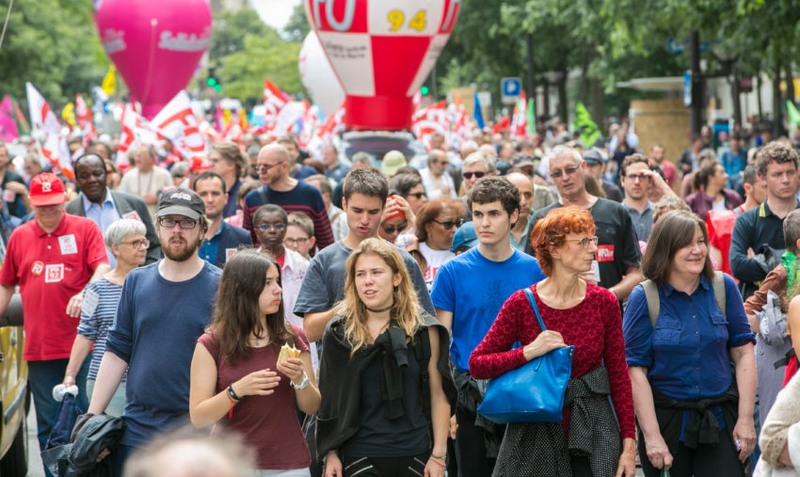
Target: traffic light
point(212, 81)
point(424, 90)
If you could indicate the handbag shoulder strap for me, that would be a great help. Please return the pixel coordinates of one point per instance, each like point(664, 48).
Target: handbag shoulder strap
point(535, 308)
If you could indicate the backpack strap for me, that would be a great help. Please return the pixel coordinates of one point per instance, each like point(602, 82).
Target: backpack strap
point(422, 351)
point(654, 302)
point(262, 195)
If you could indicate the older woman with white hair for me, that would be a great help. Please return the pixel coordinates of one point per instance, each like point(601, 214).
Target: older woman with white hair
point(126, 240)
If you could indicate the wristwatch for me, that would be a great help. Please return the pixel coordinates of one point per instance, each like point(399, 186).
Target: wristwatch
point(302, 385)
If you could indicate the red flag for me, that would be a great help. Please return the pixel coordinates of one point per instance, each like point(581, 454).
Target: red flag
point(434, 118)
point(504, 123)
point(52, 141)
point(274, 100)
point(83, 115)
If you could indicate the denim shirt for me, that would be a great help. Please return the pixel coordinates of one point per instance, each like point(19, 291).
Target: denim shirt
point(687, 355)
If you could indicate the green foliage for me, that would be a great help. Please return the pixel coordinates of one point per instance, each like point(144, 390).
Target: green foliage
point(54, 45)
point(230, 29)
point(297, 28)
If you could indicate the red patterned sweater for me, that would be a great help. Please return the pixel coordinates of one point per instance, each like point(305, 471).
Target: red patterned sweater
point(595, 328)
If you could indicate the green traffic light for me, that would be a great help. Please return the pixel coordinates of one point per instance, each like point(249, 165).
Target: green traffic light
point(424, 90)
point(218, 88)
point(212, 81)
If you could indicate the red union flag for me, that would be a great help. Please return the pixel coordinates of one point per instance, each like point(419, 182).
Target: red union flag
point(274, 100)
point(45, 122)
point(382, 51)
point(135, 130)
point(434, 118)
point(178, 123)
point(84, 117)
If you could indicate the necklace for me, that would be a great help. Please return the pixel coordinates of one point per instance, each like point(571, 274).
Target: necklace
point(380, 310)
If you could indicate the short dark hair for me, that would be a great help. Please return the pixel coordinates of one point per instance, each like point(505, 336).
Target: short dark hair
point(492, 188)
point(403, 183)
point(369, 182)
point(705, 173)
point(270, 209)
point(208, 175)
point(82, 157)
point(774, 152)
point(671, 233)
point(631, 160)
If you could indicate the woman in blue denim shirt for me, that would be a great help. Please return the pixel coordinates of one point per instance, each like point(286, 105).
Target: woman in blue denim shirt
point(693, 374)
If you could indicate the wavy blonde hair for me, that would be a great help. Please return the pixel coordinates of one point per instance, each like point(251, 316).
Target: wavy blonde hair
point(406, 310)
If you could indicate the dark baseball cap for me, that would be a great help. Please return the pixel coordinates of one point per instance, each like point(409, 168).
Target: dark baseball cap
point(181, 202)
point(594, 157)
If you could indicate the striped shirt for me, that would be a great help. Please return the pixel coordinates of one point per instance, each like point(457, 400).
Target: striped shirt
point(303, 198)
point(98, 311)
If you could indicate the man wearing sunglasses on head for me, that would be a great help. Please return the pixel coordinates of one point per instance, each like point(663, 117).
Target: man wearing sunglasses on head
point(616, 265)
point(163, 310)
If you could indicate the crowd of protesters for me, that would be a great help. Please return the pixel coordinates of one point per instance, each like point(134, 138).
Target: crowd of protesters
point(343, 315)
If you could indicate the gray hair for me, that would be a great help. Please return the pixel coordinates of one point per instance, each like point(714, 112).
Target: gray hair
point(121, 228)
point(564, 151)
point(480, 157)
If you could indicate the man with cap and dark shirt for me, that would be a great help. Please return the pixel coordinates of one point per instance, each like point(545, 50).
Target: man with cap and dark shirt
point(164, 308)
point(595, 166)
point(51, 258)
point(103, 206)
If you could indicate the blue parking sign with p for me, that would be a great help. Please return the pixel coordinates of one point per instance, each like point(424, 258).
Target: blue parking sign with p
point(512, 86)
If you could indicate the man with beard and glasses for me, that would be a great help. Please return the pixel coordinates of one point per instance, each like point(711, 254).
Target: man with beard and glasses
point(104, 206)
point(164, 308)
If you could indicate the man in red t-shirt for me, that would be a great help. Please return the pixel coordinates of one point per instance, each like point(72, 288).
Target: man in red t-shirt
point(51, 258)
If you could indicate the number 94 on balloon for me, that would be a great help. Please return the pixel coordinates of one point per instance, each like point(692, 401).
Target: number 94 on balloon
point(384, 17)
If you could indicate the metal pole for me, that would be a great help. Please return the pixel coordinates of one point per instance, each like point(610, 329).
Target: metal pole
point(531, 71)
point(698, 95)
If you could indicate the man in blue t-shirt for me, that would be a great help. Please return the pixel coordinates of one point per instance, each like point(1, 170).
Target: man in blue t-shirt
point(163, 309)
point(468, 292)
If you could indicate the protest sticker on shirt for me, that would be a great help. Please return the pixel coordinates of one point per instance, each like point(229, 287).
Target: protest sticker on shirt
point(605, 253)
point(90, 300)
point(67, 244)
point(37, 268)
point(132, 215)
point(54, 273)
point(230, 252)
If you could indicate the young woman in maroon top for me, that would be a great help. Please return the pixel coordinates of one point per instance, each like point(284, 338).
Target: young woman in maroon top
point(236, 379)
point(575, 312)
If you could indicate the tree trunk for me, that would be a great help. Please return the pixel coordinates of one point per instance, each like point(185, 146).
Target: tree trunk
point(777, 112)
point(758, 96)
point(735, 96)
point(562, 99)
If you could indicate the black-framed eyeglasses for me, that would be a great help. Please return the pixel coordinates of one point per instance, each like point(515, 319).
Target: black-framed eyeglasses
point(418, 195)
point(296, 241)
point(634, 177)
point(567, 170)
point(138, 243)
point(478, 175)
point(264, 168)
point(185, 224)
point(449, 224)
point(586, 241)
point(266, 226)
point(392, 229)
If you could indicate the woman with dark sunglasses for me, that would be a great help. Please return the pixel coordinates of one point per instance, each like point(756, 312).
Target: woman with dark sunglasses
point(437, 222)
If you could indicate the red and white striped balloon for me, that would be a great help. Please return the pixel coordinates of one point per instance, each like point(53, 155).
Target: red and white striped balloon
point(382, 51)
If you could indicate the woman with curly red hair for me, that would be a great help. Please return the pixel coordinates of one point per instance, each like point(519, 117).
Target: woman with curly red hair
point(593, 439)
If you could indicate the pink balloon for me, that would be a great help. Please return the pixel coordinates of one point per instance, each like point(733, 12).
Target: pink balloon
point(156, 45)
point(382, 51)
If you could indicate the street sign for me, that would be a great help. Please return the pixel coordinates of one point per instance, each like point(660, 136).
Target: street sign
point(687, 88)
point(511, 89)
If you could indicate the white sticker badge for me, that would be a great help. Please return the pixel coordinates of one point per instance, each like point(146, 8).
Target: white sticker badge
point(90, 300)
point(132, 215)
point(54, 273)
point(230, 252)
point(68, 244)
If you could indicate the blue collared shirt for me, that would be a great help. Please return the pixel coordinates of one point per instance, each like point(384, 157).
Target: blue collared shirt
point(209, 248)
point(687, 354)
point(103, 214)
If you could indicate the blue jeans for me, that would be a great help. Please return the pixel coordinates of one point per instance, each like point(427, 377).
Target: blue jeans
point(43, 377)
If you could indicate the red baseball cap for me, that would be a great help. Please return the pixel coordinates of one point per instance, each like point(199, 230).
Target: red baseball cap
point(47, 189)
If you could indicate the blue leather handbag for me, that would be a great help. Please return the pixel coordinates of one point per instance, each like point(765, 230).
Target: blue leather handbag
point(535, 391)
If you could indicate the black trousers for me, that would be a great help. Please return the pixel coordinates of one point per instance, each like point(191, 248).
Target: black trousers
point(413, 466)
point(470, 448)
point(705, 461)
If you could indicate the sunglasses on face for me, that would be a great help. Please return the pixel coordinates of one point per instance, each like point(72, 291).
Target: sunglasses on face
point(478, 175)
point(265, 226)
point(392, 229)
point(449, 224)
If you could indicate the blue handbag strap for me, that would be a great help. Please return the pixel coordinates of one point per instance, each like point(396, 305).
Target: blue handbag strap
point(535, 308)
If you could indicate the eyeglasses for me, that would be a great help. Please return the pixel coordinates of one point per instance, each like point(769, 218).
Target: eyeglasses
point(418, 195)
point(449, 224)
point(265, 226)
point(138, 243)
point(586, 241)
point(186, 224)
point(567, 171)
point(638, 177)
point(295, 242)
point(264, 168)
point(392, 229)
point(478, 175)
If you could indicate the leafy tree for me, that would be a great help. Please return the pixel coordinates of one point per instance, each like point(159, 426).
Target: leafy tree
point(54, 45)
point(297, 28)
point(230, 30)
point(262, 56)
